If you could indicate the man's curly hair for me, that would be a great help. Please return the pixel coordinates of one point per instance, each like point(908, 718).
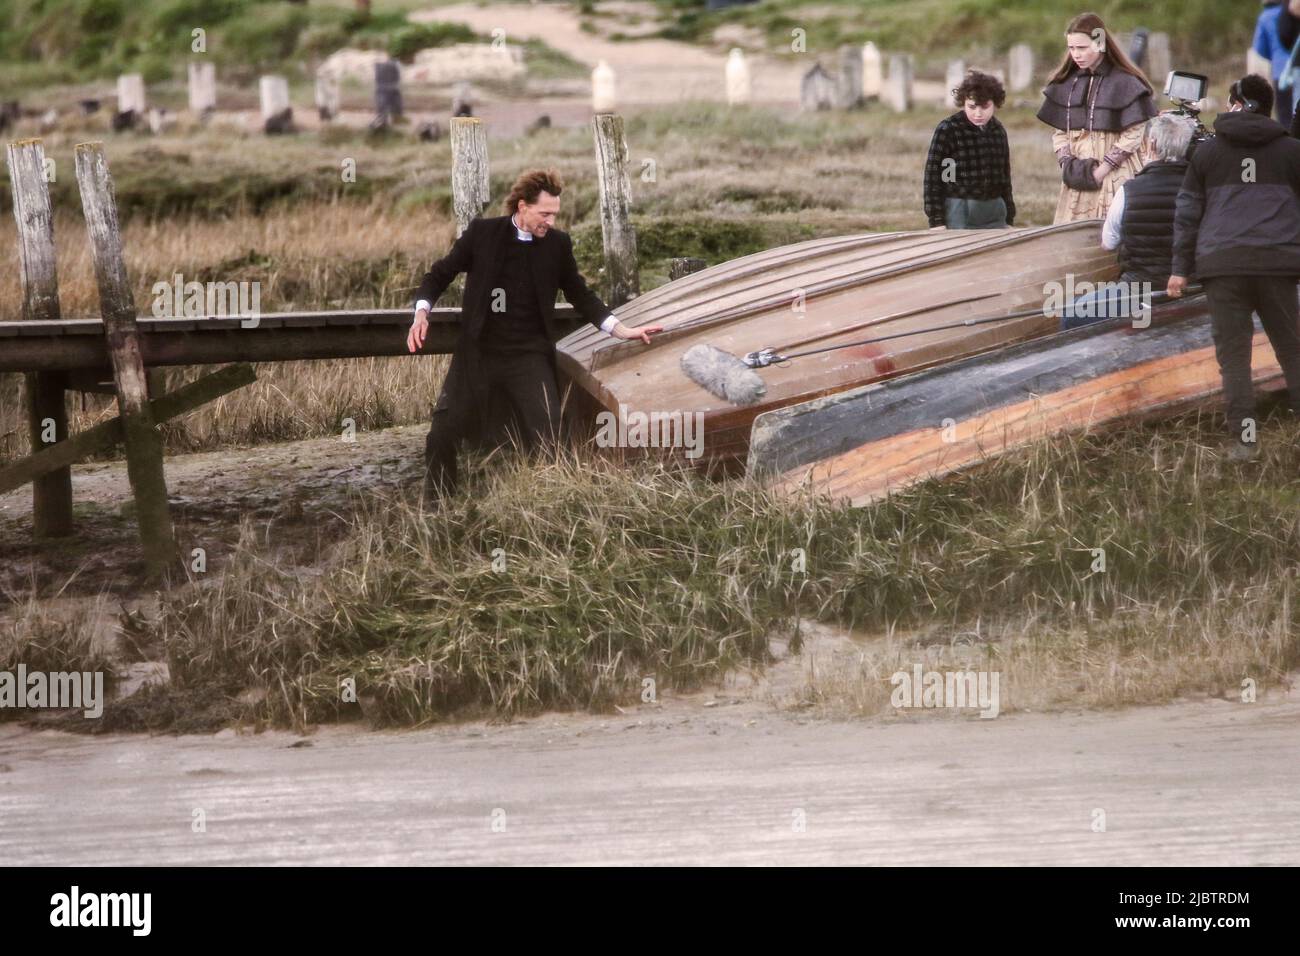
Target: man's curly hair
point(981, 88)
point(530, 185)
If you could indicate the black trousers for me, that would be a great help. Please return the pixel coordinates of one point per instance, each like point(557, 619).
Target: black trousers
point(1232, 300)
point(526, 380)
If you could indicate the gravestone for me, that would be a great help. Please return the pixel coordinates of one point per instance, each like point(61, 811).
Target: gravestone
point(388, 89)
point(816, 90)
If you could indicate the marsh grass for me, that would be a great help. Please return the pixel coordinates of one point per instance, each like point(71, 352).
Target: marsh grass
point(606, 576)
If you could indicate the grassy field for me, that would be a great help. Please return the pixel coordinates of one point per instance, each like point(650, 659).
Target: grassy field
point(615, 576)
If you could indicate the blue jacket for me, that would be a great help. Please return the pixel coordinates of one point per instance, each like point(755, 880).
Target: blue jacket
point(1267, 43)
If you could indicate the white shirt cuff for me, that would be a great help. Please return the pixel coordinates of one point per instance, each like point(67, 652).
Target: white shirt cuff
point(608, 325)
point(423, 304)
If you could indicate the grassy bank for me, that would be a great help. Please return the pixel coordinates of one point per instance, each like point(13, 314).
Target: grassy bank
point(569, 584)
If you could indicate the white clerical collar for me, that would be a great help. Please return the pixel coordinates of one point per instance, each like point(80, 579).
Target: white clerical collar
point(523, 235)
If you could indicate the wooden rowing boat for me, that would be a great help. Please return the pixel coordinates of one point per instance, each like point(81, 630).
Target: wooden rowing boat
point(826, 292)
point(860, 444)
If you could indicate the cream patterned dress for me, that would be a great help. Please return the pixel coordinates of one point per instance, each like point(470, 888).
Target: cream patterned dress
point(1075, 204)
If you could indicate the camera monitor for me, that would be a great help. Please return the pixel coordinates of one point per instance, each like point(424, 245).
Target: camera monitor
point(1188, 87)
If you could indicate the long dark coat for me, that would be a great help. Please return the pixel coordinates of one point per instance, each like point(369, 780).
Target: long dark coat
point(480, 253)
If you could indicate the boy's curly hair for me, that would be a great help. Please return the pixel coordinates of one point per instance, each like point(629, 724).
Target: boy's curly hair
point(981, 88)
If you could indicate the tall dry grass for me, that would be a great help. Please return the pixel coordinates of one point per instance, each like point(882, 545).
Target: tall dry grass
point(568, 584)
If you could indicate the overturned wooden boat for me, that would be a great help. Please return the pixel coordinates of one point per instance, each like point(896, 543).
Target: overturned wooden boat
point(828, 292)
point(860, 444)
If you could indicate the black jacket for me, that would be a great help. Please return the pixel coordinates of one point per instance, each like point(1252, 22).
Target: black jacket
point(1146, 230)
point(980, 167)
point(1239, 207)
point(479, 253)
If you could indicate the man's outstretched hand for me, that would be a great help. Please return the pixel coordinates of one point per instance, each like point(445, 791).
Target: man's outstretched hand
point(419, 329)
point(621, 331)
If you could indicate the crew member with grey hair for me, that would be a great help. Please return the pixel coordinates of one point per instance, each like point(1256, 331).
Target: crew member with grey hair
point(1140, 225)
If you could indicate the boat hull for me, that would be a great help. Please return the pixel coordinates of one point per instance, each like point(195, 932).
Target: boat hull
point(828, 292)
point(859, 445)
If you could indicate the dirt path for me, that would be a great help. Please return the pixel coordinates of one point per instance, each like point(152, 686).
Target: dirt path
point(1195, 783)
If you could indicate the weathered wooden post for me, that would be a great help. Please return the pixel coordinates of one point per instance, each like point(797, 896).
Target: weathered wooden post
point(848, 87)
point(46, 409)
point(1020, 67)
point(622, 278)
point(872, 76)
point(739, 83)
point(603, 93)
point(679, 268)
point(203, 87)
point(898, 85)
point(470, 189)
point(144, 450)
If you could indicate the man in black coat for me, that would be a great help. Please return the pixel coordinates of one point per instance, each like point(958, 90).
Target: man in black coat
point(515, 264)
point(1237, 227)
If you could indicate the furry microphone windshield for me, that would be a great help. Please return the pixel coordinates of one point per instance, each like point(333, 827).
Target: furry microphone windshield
point(722, 374)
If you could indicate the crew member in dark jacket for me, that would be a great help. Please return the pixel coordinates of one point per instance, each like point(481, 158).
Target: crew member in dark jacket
point(968, 168)
point(515, 264)
point(1238, 228)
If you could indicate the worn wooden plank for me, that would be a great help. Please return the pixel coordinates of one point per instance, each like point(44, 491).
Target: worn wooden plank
point(470, 190)
point(38, 268)
point(107, 434)
point(859, 445)
point(144, 452)
point(622, 276)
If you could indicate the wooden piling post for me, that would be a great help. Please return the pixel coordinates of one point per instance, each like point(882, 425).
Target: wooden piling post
point(144, 450)
point(469, 170)
point(622, 278)
point(52, 493)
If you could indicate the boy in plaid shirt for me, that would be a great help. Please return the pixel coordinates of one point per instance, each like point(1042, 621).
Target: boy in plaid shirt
point(968, 169)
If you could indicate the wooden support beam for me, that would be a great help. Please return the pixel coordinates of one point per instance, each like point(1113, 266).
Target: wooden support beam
point(144, 452)
point(622, 278)
point(470, 191)
point(46, 409)
point(107, 434)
